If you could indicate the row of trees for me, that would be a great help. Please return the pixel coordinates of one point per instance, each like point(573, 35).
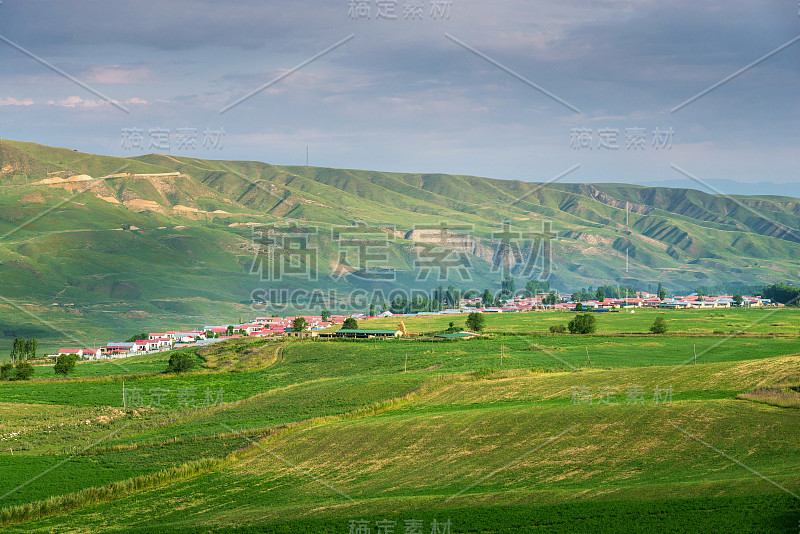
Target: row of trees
point(586, 323)
point(782, 293)
point(441, 298)
point(24, 349)
point(611, 292)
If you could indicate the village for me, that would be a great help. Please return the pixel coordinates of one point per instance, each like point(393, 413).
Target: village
point(316, 325)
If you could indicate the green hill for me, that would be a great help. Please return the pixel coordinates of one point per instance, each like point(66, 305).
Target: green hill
point(100, 246)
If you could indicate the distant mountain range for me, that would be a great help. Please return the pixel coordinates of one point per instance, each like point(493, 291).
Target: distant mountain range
point(102, 244)
point(731, 187)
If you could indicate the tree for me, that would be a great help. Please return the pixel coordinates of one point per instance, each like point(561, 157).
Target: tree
point(180, 362)
point(372, 310)
point(326, 315)
point(532, 287)
point(737, 299)
point(659, 326)
point(398, 305)
point(600, 295)
point(30, 348)
point(350, 324)
point(453, 297)
point(557, 329)
point(579, 306)
point(582, 323)
point(65, 364)
point(229, 331)
point(23, 371)
point(299, 324)
point(18, 349)
point(507, 287)
point(452, 329)
point(550, 299)
point(137, 337)
point(488, 299)
point(662, 293)
point(476, 322)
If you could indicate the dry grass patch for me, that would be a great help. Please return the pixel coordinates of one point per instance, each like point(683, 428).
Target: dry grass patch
point(775, 396)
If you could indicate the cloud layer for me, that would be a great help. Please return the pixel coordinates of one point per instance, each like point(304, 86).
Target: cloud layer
point(402, 96)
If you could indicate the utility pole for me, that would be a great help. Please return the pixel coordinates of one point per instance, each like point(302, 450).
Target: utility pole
point(431, 332)
point(587, 356)
point(627, 246)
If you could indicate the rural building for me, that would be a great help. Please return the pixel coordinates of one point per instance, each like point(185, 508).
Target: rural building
point(367, 334)
point(305, 334)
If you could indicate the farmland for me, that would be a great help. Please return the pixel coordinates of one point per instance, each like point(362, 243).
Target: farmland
point(615, 431)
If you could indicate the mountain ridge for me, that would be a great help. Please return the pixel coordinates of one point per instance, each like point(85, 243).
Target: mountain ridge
point(136, 228)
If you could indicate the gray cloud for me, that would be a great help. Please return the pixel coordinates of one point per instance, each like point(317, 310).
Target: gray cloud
point(400, 96)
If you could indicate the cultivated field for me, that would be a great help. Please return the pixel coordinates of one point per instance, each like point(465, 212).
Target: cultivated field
point(331, 436)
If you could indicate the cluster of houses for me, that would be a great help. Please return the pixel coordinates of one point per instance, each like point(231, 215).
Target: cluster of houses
point(641, 300)
point(161, 341)
point(155, 342)
point(273, 327)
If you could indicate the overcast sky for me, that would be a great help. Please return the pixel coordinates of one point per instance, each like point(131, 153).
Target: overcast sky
point(431, 90)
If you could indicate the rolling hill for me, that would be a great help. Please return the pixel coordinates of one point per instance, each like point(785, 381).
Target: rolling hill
point(95, 245)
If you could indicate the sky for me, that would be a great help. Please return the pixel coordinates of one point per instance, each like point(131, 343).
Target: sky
point(593, 91)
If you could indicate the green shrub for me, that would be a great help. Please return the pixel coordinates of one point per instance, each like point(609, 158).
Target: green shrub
point(583, 323)
point(6, 371)
point(23, 371)
point(659, 326)
point(557, 329)
point(180, 362)
point(65, 364)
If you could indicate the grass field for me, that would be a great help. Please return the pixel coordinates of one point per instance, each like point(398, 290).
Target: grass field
point(716, 321)
point(321, 436)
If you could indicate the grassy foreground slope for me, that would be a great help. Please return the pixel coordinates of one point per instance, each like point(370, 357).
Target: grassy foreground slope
point(456, 453)
point(316, 435)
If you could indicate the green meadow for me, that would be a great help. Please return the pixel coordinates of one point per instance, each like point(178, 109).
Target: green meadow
point(323, 436)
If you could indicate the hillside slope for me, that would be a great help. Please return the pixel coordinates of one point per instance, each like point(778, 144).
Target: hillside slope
point(140, 241)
